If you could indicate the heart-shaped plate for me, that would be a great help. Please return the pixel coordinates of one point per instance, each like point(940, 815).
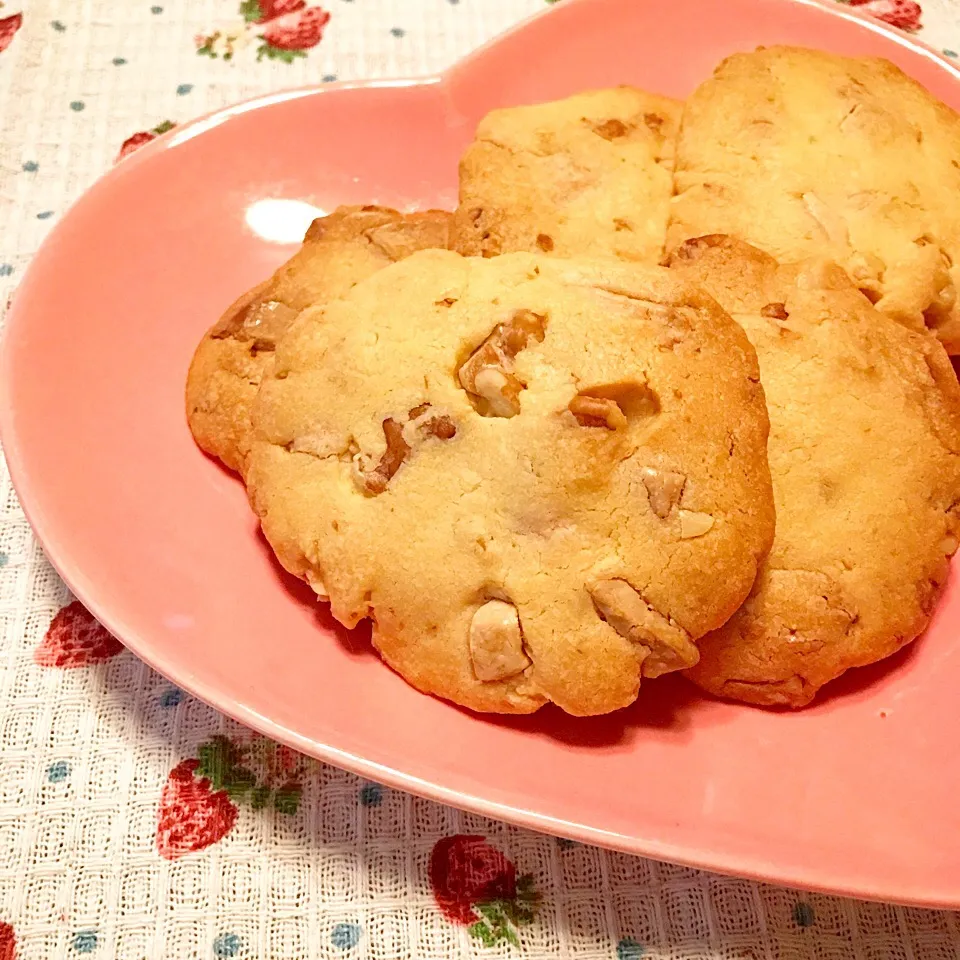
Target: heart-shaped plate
point(856, 795)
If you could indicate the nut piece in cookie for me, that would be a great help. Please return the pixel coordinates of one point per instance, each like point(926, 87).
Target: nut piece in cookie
point(496, 642)
point(666, 647)
point(488, 375)
point(338, 251)
point(865, 457)
point(527, 538)
point(805, 153)
point(589, 175)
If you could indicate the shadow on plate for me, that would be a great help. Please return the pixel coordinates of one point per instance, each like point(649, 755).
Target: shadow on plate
point(355, 642)
point(853, 683)
point(663, 706)
point(663, 709)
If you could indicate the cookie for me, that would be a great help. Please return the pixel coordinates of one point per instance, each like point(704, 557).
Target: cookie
point(864, 443)
point(589, 175)
point(804, 153)
point(540, 479)
point(338, 251)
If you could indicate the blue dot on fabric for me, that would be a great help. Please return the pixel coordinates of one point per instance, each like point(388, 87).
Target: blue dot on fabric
point(629, 949)
point(329, 77)
point(156, 9)
point(4, 559)
point(44, 214)
point(5, 269)
point(171, 697)
point(58, 771)
point(226, 945)
point(184, 89)
point(58, 25)
point(85, 941)
point(119, 61)
point(371, 795)
point(31, 166)
point(803, 914)
point(453, 3)
point(77, 105)
point(345, 936)
point(949, 53)
point(398, 31)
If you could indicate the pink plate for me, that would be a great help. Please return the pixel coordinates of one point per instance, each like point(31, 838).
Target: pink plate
point(857, 795)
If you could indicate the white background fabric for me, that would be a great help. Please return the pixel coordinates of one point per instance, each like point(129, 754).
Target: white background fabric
point(85, 753)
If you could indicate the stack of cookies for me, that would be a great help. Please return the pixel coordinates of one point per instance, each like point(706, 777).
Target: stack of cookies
point(669, 391)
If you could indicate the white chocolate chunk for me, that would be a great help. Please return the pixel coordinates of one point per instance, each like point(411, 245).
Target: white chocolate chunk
point(693, 524)
point(496, 643)
point(664, 488)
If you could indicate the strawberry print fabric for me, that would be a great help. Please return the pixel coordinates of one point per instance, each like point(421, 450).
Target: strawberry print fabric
point(284, 30)
point(138, 824)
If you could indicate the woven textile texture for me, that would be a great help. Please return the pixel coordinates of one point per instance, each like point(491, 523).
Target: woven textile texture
point(135, 822)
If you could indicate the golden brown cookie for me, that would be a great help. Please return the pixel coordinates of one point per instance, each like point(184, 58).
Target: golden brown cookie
point(585, 176)
point(804, 153)
point(338, 251)
point(540, 479)
point(865, 457)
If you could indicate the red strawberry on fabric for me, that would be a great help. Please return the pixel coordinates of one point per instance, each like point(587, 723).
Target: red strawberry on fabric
point(8, 28)
point(904, 14)
point(288, 36)
point(144, 136)
point(198, 804)
point(75, 639)
point(260, 11)
point(8, 942)
point(284, 763)
point(475, 885)
point(192, 815)
point(258, 771)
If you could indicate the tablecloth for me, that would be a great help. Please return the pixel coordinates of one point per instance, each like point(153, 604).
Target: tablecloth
point(135, 821)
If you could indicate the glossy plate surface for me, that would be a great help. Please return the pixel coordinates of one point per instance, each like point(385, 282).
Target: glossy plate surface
point(857, 795)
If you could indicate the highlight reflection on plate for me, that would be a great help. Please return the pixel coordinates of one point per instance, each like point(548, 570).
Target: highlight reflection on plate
point(281, 221)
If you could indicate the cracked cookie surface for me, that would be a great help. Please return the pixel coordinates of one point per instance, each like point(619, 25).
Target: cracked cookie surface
point(585, 176)
point(338, 251)
point(497, 461)
point(805, 153)
point(865, 456)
